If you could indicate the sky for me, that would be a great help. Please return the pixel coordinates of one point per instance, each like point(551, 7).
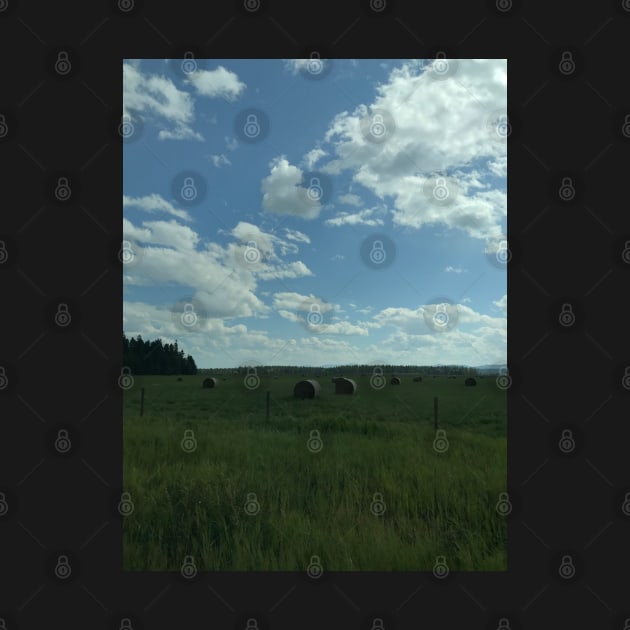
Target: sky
point(317, 212)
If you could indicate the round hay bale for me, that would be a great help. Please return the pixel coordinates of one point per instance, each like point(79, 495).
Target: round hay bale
point(209, 383)
point(306, 389)
point(395, 381)
point(345, 386)
point(470, 382)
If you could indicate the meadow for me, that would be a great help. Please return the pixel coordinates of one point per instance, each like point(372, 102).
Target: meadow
point(355, 481)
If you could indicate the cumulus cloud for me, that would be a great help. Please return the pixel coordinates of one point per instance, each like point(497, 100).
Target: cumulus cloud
point(283, 194)
point(231, 143)
point(217, 83)
point(350, 199)
point(313, 156)
point(174, 254)
point(292, 301)
point(296, 235)
point(295, 269)
point(440, 127)
point(155, 95)
point(363, 217)
point(410, 320)
point(179, 132)
point(155, 203)
point(295, 308)
point(220, 160)
point(298, 65)
point(167, 233)
point(266, 242)
point(501, 303)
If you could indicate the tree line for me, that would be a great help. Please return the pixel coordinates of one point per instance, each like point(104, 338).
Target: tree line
point(347, 370)
point(155, 357)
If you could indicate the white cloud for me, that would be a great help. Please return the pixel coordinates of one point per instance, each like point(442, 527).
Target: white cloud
point(295, 269)
point(157, 96)
point(364, 217)
point(180, 132)
point(217, 83)
point(172, 254)
point(313, 156)
point(282, 193)
point(231, 143)
point(296, 65)
point(498, 166)
point(501, 303)
point(296, 235)
point(343, 328)
point(166, 233)
point(290, 315)
point(292, 301)
point(350, 199)
point(220, 160)
point(337, 328)
point(412, 320)
point(155, 203)
point(450, 269)
point(477, 338)
point(266, 242)
point(270, 264)
point(149, 321)
point(295, 307)
point(440, 127)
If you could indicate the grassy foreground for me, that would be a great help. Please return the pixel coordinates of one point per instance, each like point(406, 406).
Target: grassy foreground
point(252, 495)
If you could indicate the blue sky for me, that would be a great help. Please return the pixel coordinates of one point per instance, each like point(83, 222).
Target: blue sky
point(346, 211)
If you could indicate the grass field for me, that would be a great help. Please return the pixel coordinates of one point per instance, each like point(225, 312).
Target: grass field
point(373, 495)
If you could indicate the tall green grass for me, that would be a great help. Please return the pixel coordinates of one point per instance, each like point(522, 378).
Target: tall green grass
point(193, 504)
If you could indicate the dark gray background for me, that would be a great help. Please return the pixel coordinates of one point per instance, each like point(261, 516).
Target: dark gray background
point(563, 252)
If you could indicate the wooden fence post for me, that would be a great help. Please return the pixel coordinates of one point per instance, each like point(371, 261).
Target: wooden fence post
point(435, 413)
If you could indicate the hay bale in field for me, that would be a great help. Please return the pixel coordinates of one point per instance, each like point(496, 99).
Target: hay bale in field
point(417, 379)
point(395, 381)
point(345, 386)
point(209, 383)
point(306, 389)
point(470, 382)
